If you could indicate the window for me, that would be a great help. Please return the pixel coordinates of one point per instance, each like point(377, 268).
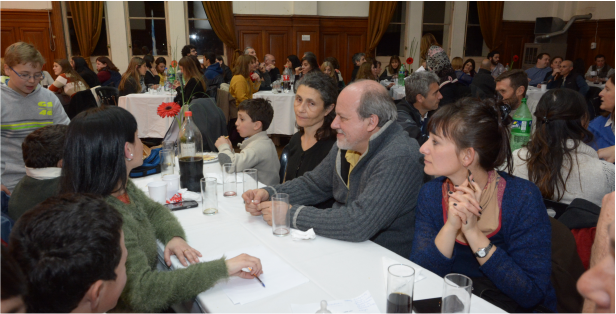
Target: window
point(391, 42)
point(436, 20)
point(101, 47)
point(200, 33)
point(473, 45)
point(148, 27)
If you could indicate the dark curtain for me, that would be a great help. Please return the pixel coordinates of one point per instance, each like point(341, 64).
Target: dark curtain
point(491, 22)
point(88, 20)
point(379, 16)
point(220, 16)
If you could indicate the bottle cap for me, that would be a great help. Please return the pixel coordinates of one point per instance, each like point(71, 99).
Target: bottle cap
point(188, 114)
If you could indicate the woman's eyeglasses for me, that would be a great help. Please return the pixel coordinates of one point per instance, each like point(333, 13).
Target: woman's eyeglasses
point(26, 77)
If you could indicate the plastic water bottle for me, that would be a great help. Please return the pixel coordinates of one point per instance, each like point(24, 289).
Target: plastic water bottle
point(286, 79)
point(401, 75)
point(520, 131)
point(170, 77)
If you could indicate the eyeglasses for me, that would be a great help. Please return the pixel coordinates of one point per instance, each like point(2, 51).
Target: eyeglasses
point(37, 77)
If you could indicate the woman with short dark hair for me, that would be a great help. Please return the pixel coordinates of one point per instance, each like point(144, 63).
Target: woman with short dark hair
point(477, 221)
point(151, 75)
point(81, 67)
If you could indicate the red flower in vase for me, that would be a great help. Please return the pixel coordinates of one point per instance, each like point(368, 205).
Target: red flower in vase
point(174, 63)
point(409, 60)
point(168, 109)
point(515, 58)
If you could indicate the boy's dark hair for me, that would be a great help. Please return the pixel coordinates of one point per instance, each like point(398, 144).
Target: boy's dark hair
point(44, 147)
point(64, 245)
point(492, 53)
point(599, 56)
point(258, 109)
point(516, 78)
point(13, 280)
point(210, 56)
point(186, 50)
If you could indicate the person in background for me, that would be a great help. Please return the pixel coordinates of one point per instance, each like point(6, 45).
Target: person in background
point(603, 69)
point(560, 141)
point(195, 85)
point(422, 96)
point(365, 72)
point(336, 65)
point(68, 81)
point(42, 154)
point(315, 103)
point(358, 59)
point(536, 74)
point(506, 251)
point(427, 41)
point(81, 67)
point(483, 82)
point(108, 74)
point(456, 63)
point(602, 127)
point(567, 78)
point(251, 52)
point(309, 54)
point(213, 68)
point(151, 75)
point(13, 284)
point(189, 50)
point(391, 71)
point(145, 50)
point(458, 66)
point(133, 79)
point(512, 86)
point(449, 86)
point(270, 65)
point(101, 149)
point(469, 67)
point(254, 117)
point(21, 109)
point(226, 71)
point(555, 69)
point(161, 66)
point(495, 67)
point(376, 69)
point(597, 284)
point(293, 63)
point(329, 70)
point(245, 82)
point(373, 174)
point(72, 250)
point(309, 64)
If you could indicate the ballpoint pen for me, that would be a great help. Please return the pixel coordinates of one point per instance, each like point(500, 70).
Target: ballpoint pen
point(257, 277)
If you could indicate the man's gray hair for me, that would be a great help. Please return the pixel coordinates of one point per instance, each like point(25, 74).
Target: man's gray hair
point(357, 57)
point(246, 50)
point(375, 100)
point(419, 84)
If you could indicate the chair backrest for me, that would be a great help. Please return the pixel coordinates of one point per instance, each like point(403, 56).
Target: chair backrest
point(566, 269)
point(284, 160)
point(81, 101)
point(108, 95)
point(559, 208)
point(210, 120)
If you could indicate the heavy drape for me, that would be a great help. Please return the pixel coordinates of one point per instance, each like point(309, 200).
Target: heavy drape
point(491, 22)
point(220, 16)
point(379, 16)
point(88, 20)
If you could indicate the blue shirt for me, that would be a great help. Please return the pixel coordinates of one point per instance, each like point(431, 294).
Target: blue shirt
point(602, 130)
point(537, 75)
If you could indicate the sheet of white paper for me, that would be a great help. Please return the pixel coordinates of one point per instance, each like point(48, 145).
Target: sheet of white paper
point(388, 262)
point(278, 276)
point(361, 304)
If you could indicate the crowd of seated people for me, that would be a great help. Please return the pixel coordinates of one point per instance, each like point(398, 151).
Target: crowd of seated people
point(431, 177)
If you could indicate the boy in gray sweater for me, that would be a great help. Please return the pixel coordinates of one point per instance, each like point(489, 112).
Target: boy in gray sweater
point(373, 173)
point(26, 106)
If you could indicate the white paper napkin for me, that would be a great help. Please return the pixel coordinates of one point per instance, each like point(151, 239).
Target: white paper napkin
point(303, 235)
point(421, 68)
point(388, 262)
point(189, 195)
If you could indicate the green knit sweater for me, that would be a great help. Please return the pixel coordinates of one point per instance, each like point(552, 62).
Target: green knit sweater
point(147, 289)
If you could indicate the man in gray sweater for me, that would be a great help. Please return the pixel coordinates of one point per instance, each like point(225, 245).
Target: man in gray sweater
point(373, 173)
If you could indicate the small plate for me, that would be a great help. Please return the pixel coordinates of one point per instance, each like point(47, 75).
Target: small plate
point(210, 158)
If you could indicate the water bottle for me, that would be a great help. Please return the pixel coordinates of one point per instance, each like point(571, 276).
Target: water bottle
point(170, 78)
point(401, 75)
point(286, 79)
point(520, 131)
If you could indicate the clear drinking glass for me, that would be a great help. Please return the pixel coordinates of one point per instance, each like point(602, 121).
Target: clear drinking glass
point(229, 180)
point(281, 222)
point(167, 158)
point(400, 282)
point(209, 196)
point(250, 179)
point(456, 294)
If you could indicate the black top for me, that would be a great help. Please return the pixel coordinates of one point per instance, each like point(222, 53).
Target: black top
point(301, 161)
point(90, 77)
point(194, 88)
point(354, 74)
point(151, 78)
point(227, 74)
point(452, 92)
point(274, 73)
point(484, 81)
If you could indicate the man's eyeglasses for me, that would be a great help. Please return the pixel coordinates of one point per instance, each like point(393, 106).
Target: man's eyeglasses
point(37, 76)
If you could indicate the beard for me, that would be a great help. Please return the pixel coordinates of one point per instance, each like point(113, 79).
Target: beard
point(344, 143)
point(513, 102)
point(493, 62)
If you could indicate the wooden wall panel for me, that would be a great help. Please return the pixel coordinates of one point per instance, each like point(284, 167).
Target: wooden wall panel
point(252, 39)
point(515, 35)
point(582, 34)
point(276, 43)
point(7, 37)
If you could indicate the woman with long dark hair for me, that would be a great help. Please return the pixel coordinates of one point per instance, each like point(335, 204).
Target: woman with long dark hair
point(161, 66)
point(558, 158)
point(309, 64)
point(133, 79)
point(392, 69)
point(81, 67)
point(195, 84)
point(151, 75)
point(107, 71)
point(469, 67)
point(68, 81)
point(101, 149)
point(293, 63)
point(477, 221)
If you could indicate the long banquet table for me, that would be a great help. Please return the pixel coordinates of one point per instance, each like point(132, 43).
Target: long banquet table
point(335, 269)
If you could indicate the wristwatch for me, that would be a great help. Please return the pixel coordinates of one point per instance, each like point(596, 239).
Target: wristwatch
point(484, 251)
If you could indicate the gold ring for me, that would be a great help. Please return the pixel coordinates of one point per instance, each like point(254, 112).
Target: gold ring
point(185, 250)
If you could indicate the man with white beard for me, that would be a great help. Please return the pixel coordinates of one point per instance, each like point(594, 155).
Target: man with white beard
point(373, 173)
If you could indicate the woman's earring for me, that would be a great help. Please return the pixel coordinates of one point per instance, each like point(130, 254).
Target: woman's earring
point(131, 157)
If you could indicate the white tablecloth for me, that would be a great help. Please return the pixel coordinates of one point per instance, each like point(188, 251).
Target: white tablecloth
point(143, 107)
point(284, 115)
point(397, 92)
point(336, 269)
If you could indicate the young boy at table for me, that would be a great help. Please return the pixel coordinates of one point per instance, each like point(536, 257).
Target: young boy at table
point(42, 153)
point(254, 116)
point(26, 106)
point(71, 250)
